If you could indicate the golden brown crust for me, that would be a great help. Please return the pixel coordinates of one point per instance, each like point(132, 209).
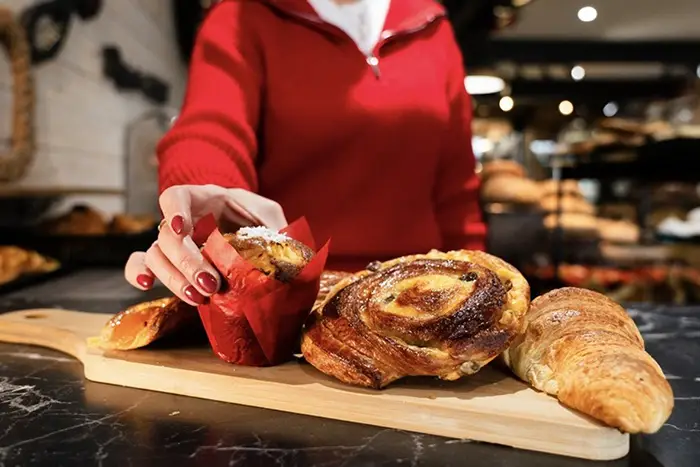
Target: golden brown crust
point(144, 323)
point(283, 259)
point(131, 224)
point(570, 204)
point(618, 231)
point(81, 220)
point(567, 187)
point(573, 223)
point(329, 279)
point(502, 167)
point(439, 314)
point(16, 261)
point(510, 189)
point(583, 348)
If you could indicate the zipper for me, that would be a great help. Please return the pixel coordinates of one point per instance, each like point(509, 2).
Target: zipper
point(372, 60)
point(388, 35)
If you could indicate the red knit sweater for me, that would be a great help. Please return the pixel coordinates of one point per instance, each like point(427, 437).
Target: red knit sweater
point(374, 151)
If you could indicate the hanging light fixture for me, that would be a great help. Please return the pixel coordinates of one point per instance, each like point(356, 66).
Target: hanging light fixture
point(483, 84)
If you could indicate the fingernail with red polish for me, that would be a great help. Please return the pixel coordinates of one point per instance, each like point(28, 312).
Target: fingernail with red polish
point(145, 281)
point(194, 295)
point(177, 224)
point(207, 282)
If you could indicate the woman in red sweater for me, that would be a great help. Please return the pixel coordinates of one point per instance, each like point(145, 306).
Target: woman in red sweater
point(352, 113)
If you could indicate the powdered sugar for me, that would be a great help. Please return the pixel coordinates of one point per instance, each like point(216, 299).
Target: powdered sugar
point(263, 233)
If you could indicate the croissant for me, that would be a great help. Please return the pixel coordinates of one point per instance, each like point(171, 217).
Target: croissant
point(439, 314)
point(583, 348)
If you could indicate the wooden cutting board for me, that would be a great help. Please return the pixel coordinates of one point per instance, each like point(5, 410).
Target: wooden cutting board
point(491, 406)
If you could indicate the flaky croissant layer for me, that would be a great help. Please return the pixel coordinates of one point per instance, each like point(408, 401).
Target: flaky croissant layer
point(583, 348)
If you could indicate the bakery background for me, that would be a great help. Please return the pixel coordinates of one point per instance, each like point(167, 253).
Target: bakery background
point(586, 126)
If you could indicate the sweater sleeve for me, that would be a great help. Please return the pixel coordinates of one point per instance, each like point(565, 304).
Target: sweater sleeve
point(457, 186)
point(214, 139)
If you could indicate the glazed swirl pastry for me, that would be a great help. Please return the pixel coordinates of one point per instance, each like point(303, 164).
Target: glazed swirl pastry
point(440, 314)
point(329, 279)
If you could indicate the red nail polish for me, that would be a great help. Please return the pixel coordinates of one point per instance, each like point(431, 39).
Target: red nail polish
point(177, 224)
point(194, 295)
point(207, 282)
point(145, 281)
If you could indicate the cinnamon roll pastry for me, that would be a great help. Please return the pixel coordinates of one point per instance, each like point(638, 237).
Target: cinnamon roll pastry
point(329, 279)
point(144, 323)
point(438, 314)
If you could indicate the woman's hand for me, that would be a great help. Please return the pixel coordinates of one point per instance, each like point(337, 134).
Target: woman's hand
point(174, 258)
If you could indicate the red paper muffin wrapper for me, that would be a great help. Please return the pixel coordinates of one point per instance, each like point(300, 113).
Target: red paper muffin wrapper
point(256, 320)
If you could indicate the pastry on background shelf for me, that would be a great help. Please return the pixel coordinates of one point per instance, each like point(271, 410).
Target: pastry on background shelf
point(624, 126)
point(568, 203)
point(80, 220)
point(618, 231)
point(568, 188)
point(583, 348)
point(438, 314)
point(510, 189)
point(501, 167)
point(622, 211)
point(131, 224)
point(573, 223)
point(16, 261)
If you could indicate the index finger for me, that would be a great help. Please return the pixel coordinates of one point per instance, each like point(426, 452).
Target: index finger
point(176, 205)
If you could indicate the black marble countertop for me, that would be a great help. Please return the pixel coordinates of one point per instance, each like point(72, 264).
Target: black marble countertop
point(50, 415)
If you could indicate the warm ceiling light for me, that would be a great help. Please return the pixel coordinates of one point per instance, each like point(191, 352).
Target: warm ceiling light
point(610, 109)
point(506, 103)
point(578, 73)
point(482, 84)
point(697, 71)
point(587, 14)
point(566, 108)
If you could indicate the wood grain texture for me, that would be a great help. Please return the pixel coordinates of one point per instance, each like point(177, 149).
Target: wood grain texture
point(491, 406)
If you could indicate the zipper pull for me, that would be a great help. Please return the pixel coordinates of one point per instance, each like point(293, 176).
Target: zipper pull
point(373, 62)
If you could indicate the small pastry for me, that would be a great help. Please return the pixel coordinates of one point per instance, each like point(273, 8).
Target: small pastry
point(130, 224)
point(144, 323)
point(502, 167)
point(81, 220)
point(510, 189)
point(567, 203)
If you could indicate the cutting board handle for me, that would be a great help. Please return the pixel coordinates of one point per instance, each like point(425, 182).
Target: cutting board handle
point(62, 330)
